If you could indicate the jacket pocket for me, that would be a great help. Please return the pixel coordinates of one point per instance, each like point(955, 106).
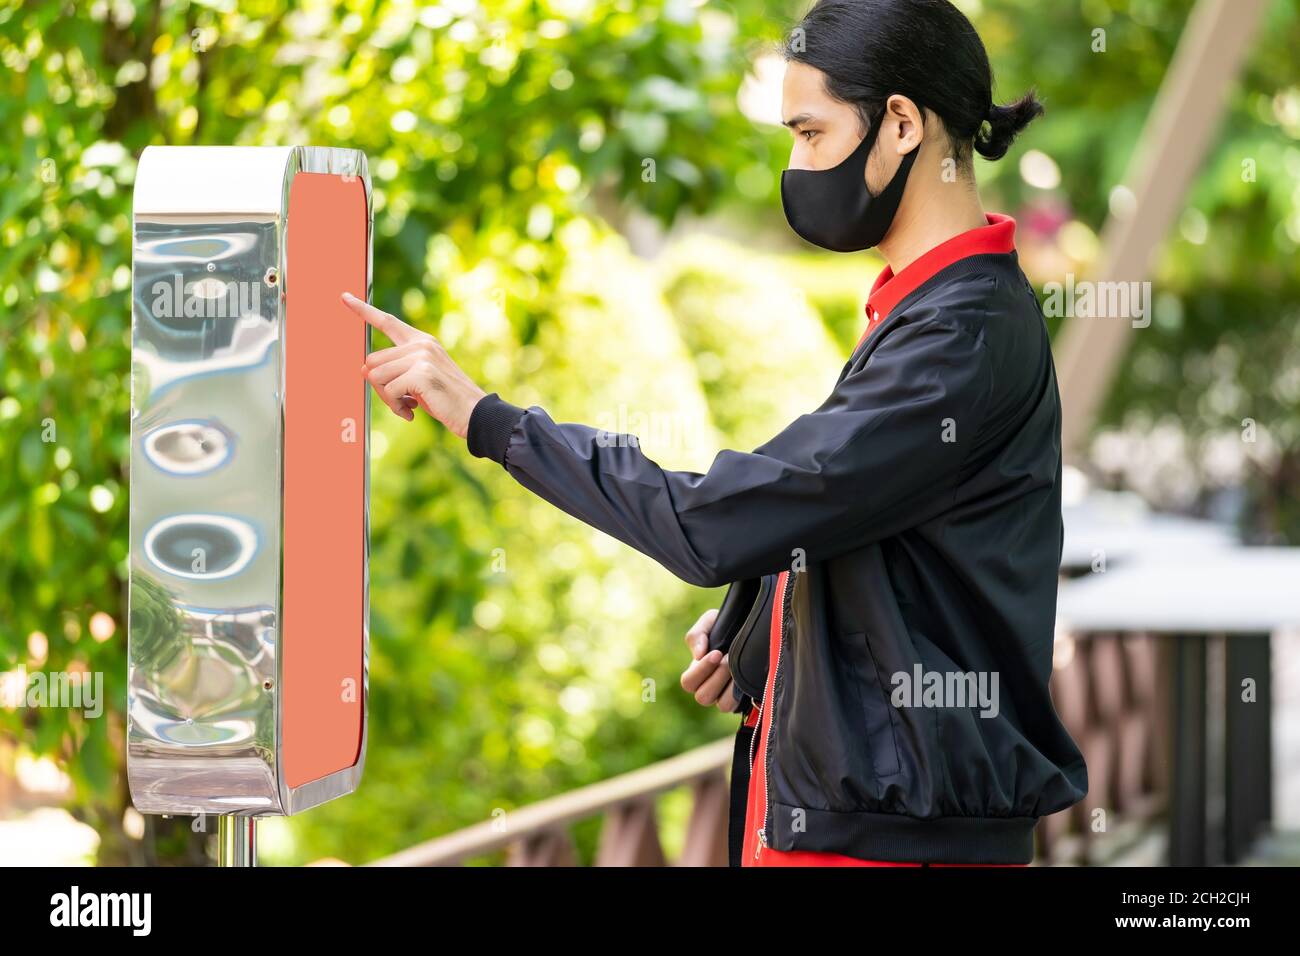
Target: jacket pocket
point(873, 700)
point(748, 659)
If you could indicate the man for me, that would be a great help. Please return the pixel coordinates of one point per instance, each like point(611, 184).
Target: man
point(902, 540)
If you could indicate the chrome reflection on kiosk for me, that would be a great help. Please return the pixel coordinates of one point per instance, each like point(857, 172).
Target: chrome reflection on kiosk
point(248, 634)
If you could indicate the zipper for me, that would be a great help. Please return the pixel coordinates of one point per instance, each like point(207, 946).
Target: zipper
point(769, 699)
point(762, 696)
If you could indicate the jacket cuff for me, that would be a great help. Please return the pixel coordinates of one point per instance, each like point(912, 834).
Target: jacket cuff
point(490, 425)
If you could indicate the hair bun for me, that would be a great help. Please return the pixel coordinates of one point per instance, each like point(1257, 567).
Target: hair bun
point(1005, 123)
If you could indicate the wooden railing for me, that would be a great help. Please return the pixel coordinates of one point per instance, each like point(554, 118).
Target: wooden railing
point(538, 834)
point(1112, 695)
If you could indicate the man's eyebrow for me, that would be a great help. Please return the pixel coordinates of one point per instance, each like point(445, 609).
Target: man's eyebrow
point(797, 120)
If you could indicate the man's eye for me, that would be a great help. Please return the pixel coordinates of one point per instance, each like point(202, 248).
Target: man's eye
point(809, 133)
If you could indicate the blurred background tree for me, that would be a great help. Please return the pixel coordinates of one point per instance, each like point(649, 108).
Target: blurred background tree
point(549, 175)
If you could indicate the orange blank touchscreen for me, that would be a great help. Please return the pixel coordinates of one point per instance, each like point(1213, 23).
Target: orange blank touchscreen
point(324, 479)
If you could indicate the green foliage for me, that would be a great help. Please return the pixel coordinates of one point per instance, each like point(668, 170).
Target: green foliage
point(761, 351)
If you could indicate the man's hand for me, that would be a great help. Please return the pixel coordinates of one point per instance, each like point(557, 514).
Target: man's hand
point(708, 677)
point(416, 371)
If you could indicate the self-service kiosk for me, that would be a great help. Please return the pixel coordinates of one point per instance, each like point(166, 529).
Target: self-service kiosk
point(248, 633)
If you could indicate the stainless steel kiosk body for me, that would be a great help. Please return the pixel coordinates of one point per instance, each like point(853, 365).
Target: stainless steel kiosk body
point(248, 634)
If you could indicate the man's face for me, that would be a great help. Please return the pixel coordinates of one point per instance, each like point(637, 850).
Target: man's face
point(825, 130)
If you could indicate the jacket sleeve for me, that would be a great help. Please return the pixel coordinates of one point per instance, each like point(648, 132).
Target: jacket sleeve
point(881, 454)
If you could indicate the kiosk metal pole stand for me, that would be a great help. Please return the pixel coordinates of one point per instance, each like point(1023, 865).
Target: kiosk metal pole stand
point(236, 841)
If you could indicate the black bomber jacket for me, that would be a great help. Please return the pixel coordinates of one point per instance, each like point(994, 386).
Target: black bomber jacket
point(916, 515)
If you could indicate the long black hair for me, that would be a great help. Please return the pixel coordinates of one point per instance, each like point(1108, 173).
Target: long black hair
point(925, 50)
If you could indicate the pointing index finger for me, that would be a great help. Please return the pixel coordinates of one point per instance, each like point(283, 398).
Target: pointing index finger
point(393, 327)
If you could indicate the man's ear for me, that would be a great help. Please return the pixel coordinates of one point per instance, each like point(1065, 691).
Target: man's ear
point(910, 121)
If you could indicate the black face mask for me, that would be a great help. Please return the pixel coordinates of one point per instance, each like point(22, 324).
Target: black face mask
point(833, 208)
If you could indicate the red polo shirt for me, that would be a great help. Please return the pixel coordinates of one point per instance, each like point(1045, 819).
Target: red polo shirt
point(887, 291)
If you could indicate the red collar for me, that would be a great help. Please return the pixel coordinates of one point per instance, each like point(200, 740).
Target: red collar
point(888, 290)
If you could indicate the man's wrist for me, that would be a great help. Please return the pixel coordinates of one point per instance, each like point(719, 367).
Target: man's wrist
point(490, 424)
